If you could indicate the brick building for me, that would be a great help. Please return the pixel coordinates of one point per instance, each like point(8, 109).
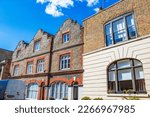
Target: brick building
point(66, 69)
point(116, 57)
point(31, 63)
point(5, 62)
point(51, 65)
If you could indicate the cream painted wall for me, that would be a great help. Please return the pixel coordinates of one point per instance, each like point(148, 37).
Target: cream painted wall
point(95, 65)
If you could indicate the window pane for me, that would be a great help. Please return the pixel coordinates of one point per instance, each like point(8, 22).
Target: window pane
point(140, 85)
point(131, 26)
point(108, 32)
point(108, 29)
point(139, 73)
point(61, 90)
point(16, 70)
point(37, 46)
point(112, 67)
point(112, 76)
point(66, 91)
point(29, 68)
point(119, 31)
point(124, 75)
point(124, 64)
point(125, 86)
point(111, 86)
point(137, 63)
point(65, 62)
point(66, 37)
point(32, 91)
point(40, 66)
point(52, 90)
point(19, 54)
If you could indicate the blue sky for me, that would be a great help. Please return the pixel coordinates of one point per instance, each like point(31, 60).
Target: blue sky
point(21, 19)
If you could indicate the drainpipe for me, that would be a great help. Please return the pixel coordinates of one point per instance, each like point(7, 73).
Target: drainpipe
point(49, 68)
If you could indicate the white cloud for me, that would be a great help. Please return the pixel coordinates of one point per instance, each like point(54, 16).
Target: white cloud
point(53, 10)
point(92, 2)
point(55, 7)
point(96, 10)
point(40, 1)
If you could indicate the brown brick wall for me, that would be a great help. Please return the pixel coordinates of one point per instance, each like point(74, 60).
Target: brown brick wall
point(74, 30)
point(73, 47)
point(94, 26)
point(76, 58)
point(28, 55)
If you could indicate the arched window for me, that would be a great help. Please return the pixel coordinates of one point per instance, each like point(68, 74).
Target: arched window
point(32, 91)
point(126, 76)
point(59, 90)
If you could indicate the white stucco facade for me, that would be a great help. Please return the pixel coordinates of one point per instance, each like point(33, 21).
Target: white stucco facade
point(95, 66)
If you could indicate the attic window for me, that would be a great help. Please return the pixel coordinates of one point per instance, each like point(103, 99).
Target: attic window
point(37, 46)
point(18, 54)
point(66, 37)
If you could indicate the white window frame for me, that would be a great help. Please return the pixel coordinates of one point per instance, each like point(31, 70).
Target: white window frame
point(40, 66)
point(30, 68)
point(19, 54)
point(16, 70)
point(66, 37)
point(59, 90)
point(65, 62)
point(37, 46)
point(32, 94)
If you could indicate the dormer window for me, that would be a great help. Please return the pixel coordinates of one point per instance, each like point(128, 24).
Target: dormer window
point(37, 46)
point(120, 29)
point(18, 54)
point(66, 37)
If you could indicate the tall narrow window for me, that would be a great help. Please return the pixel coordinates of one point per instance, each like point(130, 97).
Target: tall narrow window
point(75, 91)
point(32, 91)
point(16, 70)
point(65, 62)
point(40, 66)
point(29, 68)
point(66, 37)
point(126, 76)
point(37, 46)
point(120, 29)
